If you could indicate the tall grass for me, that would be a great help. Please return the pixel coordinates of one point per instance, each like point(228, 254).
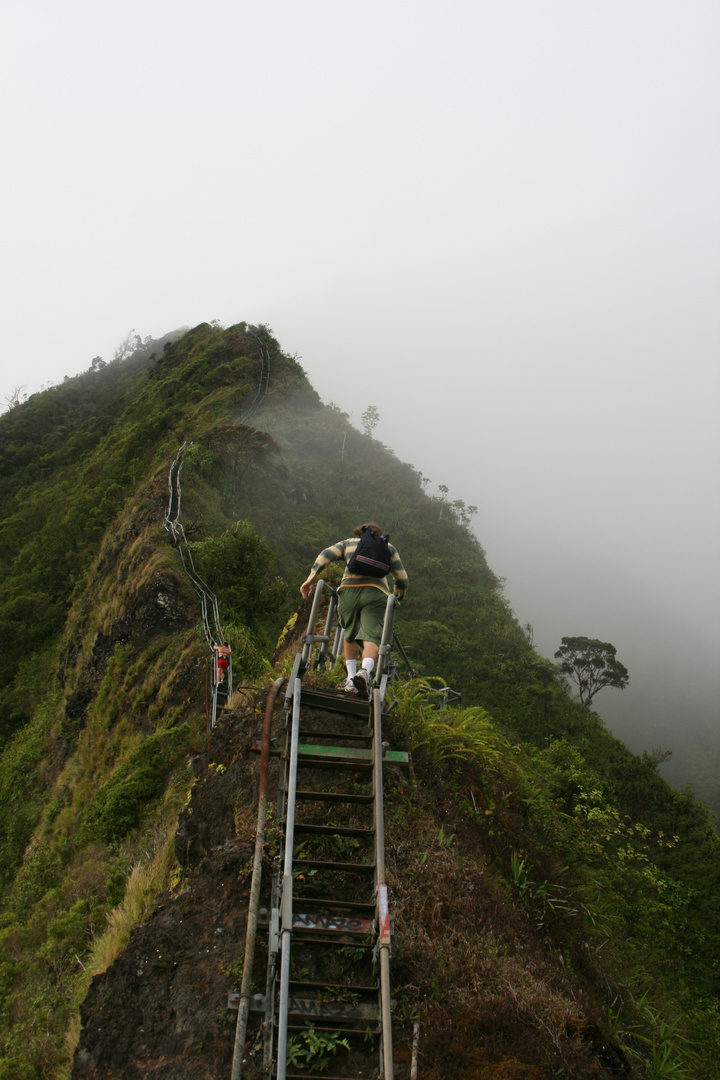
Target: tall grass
point(450, 731)
point(146, 879)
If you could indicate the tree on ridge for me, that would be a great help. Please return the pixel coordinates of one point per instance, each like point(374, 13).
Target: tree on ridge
point(591, 664)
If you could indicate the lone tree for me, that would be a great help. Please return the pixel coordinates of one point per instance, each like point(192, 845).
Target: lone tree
point(370, 419)
point(592, 665)
point(13, 399)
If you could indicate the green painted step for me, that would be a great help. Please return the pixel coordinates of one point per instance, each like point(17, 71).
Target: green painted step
point(349, 753)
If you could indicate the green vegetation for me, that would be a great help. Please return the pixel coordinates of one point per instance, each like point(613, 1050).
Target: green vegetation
point(238, 567)
point(314, 1049)
point(592, 878)
point(102, 691)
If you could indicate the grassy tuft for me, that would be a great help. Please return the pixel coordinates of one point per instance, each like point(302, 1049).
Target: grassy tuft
point(450, 732)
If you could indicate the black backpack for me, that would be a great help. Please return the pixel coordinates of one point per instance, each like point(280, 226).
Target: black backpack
point(372, 556)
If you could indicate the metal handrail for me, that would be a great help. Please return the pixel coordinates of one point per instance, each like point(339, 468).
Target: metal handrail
point(383, 915)
point(404, 655)
point(387, 637)
point(264, 380)
point(276, 1008)
point(325, 652)
point(310, 638)
point(208, 600)
point(287, 887)
point(337, 644)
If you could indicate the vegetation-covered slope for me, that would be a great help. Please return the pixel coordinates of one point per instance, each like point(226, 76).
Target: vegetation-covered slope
point(582, 850)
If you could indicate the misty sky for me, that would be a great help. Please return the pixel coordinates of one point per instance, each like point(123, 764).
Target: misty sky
point(497, 221)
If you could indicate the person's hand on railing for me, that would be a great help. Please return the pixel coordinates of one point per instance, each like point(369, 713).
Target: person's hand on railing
point(307, 585)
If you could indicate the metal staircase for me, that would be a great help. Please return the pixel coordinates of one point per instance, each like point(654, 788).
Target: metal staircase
point(221, 691)
point(328, 924)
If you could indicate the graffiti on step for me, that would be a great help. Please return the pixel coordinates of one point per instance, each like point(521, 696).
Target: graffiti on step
point(331, 1009)
point(334, 923)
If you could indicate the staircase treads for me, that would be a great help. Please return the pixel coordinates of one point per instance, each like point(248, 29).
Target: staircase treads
point(324, 1076)
point(331, 924)
point(334, 830)
point(333, 797)
point(330, 735)
point(349, 753)
point(317, 864)
point(345, 704)
point(314, 1008)
point(344, 987)
point(340, 906)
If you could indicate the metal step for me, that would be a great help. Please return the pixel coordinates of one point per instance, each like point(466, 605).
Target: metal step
point(353, 755)
point(334, 797)
point(333, 830)
point(337, 702)
point(305, 1075)
point(345, 987)
point(363, 1032)
point(331, 924)
point(314, 1009)
point(339, 906)
point(317, 864)
point(340, 754)
point(325, 760)
point(324, 1076)
point(309, 1009)
point(335, 735)
point(312, 940)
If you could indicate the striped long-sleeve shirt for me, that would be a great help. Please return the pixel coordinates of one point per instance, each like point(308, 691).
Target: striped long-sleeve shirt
point(345, 549)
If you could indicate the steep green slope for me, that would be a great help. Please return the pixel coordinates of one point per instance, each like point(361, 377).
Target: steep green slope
point(102, 679)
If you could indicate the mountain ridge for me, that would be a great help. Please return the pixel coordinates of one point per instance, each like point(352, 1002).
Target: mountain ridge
point(105, 741)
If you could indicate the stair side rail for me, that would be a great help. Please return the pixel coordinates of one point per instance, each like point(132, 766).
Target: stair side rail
point(337, 644)
point(383, 913)
point(324, 653)
point(381, 670)
point(287, 887)
point(310, 638)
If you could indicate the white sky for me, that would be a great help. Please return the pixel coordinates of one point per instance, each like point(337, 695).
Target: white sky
point(497, 221)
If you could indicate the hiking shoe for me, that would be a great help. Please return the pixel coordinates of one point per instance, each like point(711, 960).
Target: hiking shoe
point(349, 686)
point(362, 682)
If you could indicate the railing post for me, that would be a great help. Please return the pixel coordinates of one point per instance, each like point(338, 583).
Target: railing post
point(308, 643)
point(337, 643)
point(387, 635)
point(324, 650)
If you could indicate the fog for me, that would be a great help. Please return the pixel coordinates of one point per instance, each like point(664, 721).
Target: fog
point(498, 223)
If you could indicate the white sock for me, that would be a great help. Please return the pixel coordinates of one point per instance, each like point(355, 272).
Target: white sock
point(351, 666)
point(368, 664)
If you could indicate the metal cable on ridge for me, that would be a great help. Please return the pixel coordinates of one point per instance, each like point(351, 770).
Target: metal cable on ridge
point(208, 600)
point(264, 380)
point(171, 523)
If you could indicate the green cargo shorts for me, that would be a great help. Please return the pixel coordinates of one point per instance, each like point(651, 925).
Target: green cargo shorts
point(361, 611)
